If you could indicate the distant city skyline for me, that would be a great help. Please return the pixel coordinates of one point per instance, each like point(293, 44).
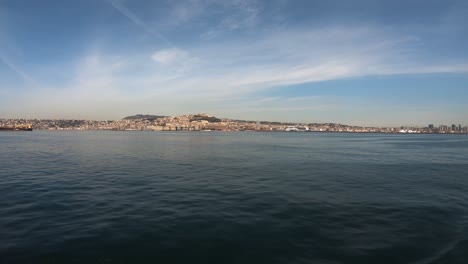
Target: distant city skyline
point(206, 122)
point(369, 63)
point(141, 121)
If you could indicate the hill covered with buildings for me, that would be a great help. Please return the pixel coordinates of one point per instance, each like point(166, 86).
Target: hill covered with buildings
point(205, 122)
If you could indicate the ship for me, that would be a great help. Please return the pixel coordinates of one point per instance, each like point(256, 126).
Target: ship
point(291, 129)
point(16, 128)
point(296, 129)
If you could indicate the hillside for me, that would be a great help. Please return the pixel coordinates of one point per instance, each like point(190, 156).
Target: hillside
point(139, 116)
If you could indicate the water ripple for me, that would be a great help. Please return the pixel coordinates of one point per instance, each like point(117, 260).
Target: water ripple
point(137, 197)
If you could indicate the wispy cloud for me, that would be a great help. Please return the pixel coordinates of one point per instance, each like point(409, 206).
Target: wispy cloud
point(6, 47)
point(237, 15)
point(215, 16)
point(171, 80)
point(15, 68)
point(183, 12)
point(137, 21)
point(245, 14)
point(282, 59)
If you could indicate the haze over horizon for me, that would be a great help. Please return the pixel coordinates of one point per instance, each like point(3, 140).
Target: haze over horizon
point(376, 63)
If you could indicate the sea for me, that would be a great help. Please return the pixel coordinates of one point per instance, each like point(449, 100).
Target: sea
point(232, 197)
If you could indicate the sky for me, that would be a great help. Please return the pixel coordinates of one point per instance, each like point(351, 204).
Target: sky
point(379, 63)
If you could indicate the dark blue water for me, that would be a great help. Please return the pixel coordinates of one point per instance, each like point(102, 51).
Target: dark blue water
point(138, 197)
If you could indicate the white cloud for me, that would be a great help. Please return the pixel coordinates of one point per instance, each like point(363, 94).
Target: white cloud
point(222, 75)
point(287, 58)
point(171, 56)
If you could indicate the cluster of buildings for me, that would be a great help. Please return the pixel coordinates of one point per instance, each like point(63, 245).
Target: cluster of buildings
point(442, 129)
point(204, 122)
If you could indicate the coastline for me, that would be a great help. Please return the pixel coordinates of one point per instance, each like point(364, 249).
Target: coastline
point(237, 131)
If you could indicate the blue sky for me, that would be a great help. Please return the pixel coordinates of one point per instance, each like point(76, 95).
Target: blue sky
point(386, 63)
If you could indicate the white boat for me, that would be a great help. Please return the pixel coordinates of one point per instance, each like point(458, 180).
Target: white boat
point(291, 129)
